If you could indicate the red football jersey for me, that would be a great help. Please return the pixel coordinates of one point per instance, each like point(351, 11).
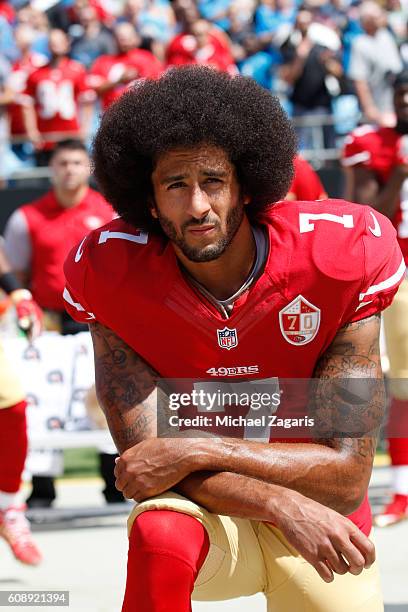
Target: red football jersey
point(306, 184)
point(111, 67)
point(53, 232)
point(7, 11)
point(183, 49)
point(101, 12)
point(22, 68)
point(325, 268)
point(378, 148)
point(56, 93)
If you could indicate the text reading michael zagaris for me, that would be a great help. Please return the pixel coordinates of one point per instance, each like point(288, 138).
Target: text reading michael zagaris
point(270, 420)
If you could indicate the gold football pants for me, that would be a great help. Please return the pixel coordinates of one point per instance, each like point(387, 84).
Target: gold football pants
point(247, 557)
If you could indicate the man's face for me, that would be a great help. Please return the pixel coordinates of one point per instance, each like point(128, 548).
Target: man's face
point(401, 103)
point(126, 37)
point(200, 31)
point(303, 21)
point(70, 169)
point(58, 43)
point(197, 201)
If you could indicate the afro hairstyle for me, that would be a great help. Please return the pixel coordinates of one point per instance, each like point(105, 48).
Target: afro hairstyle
point(184, 108)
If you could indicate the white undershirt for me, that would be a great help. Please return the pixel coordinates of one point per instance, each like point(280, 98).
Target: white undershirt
point(226, 306)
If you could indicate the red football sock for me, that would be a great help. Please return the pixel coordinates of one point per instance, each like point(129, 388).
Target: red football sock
point(13, 446)
point(166, 552)
point(397, 426)
point(398, 450)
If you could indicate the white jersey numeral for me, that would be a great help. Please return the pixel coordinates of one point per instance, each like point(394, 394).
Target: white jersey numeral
point(140, 237)
point(305, 219)
point(56, 98)
point(215, 392)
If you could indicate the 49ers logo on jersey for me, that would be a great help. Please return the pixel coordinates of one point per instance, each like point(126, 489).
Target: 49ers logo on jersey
point(227, 338)
point(299, 321)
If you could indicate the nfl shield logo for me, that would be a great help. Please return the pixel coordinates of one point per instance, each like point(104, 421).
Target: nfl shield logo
point(227, 338)
point(299, 321)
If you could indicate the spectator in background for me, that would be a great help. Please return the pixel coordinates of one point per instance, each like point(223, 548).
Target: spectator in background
point(7, 11)
point(397, 19)
point(38, 21)
point(181, 47)
point(8, 49)
point(255, 55)
point(111, 75)
point(39, 236)
point(207, 49)
point(397, 16)
point(73, 11)
point(306, 184)
point(92, 39)
point(215, 11)
point(270, 15)
point(238, 29)
point(256, 62)
point(28, 62)
point(14, 527)
point(403, 49)
point(240, 16)
point(200, 42)
point(6, 97)
point(374, 61)
point(312, 66)
point(58, 102)
point(154, 20)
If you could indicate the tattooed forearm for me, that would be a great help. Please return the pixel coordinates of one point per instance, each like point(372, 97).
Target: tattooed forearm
point(135, 431)
point(126, 388)
point(349, 398)
point(364, 447)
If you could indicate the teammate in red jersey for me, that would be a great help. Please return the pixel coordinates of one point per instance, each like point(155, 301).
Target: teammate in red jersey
point(54, 95)
point(38, 237)
point(204, 277)
point(306, 184)
point(14, 527)
point(376, 160)
point(111, 75)
point(28, 62)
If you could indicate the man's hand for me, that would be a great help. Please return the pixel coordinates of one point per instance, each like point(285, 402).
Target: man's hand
point(29, 314)
point(327, 540)
point(304, 48)
point(153, 466)
point(36, 139)
point(128, 75)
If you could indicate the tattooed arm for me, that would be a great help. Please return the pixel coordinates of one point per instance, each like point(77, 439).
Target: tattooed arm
point(126, 388)
point(332, 470)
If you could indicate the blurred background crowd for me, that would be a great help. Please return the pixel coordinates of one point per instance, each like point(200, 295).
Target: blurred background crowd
point(63, 62)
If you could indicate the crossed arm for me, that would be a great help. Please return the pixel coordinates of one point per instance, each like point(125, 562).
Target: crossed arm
point(334, 472)
point(295, 486)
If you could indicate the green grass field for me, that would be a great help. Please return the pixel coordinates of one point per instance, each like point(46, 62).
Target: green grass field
point(81, 463)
